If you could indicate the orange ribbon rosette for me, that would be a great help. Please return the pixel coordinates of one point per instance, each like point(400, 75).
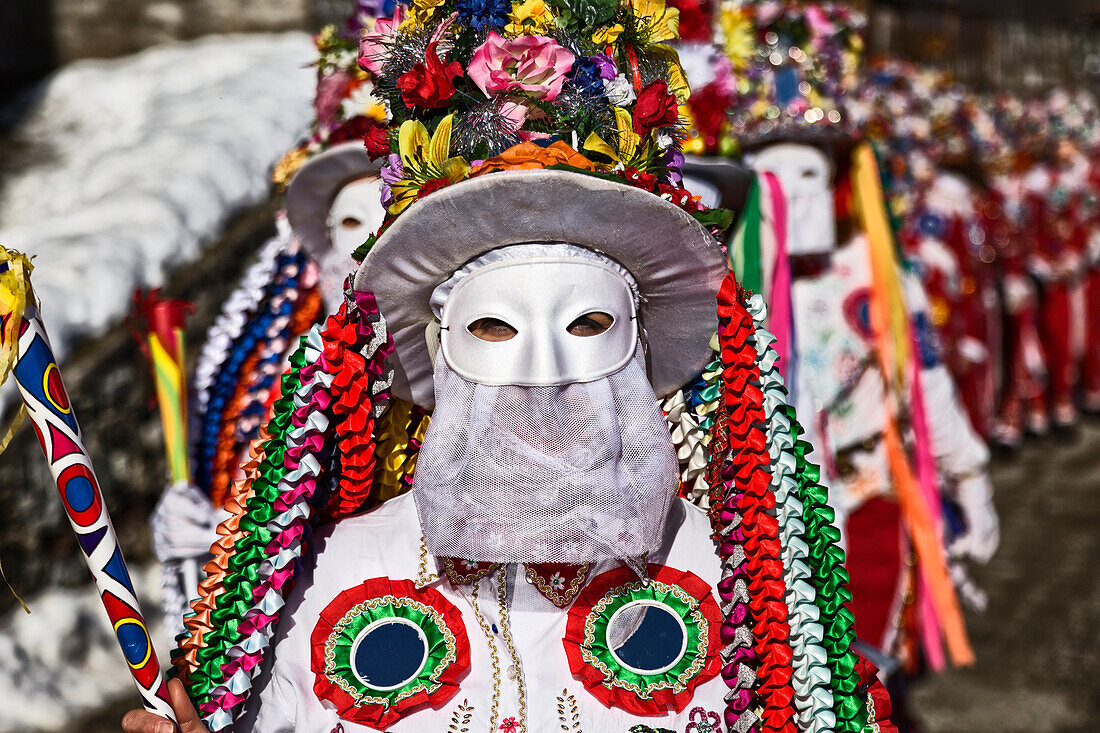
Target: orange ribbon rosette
point(529, 156)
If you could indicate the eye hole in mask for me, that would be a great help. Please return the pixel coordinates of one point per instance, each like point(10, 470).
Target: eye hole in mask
point(350, 222)
point(591, 324)
point(492, 329)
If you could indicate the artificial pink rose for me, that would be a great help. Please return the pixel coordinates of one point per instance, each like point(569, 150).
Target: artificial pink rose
point(331, 90)
point(533, 64)
point(374, 46)
point(820, 26)
point(515, 112)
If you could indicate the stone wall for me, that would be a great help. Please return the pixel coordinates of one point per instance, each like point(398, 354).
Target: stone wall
point(106, 28)
point(111, 389)
point(36, 35)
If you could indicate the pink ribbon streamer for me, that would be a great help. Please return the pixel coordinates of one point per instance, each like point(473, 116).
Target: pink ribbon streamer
point(927, 622)
point(781, 321)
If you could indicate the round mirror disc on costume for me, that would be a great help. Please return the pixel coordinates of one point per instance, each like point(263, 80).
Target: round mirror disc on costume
point(644, 646)
point(646, 637)
point(385, 647)
point(389, 653)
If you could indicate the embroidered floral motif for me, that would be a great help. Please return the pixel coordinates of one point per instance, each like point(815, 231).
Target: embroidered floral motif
point(509, 725)
point(560, 583)
point(460, 718)
point(568, 715)
point(703, 721)
point(464, 572)
point(375, 607)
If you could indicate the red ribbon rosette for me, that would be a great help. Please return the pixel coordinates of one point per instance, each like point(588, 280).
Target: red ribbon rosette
point(611, 680)
point(346, 624)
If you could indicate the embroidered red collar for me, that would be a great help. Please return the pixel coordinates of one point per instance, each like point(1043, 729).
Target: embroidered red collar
point(558, 582)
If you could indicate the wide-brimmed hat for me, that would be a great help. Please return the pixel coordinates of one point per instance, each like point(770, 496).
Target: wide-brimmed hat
point(674, 259)
point(315, 186)
point(531, 125)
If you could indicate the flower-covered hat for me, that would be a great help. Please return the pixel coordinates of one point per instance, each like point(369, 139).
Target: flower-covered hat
point(541, 120)
point(346, 111)
point(345, 107)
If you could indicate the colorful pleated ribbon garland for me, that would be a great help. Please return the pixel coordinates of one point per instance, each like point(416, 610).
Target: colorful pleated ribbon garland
point(233, 624)
point(811, 677)
point(787, 634)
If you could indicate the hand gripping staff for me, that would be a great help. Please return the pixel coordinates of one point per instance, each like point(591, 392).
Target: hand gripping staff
point(25, 351)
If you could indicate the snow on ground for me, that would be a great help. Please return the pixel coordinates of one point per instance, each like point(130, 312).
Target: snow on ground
point(62, 661)
point(146, 158)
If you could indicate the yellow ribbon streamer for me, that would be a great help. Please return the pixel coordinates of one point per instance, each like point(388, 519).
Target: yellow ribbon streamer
point(871, 209)
point(890, 323)
point(171, 396)
point(15, 293)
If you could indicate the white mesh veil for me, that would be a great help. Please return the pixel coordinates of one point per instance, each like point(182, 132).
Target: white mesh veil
point(564, 473)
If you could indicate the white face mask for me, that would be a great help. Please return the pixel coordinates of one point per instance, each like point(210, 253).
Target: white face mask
point(355, 214)
point(539, 299)
point(548, 446)
point(805, 172)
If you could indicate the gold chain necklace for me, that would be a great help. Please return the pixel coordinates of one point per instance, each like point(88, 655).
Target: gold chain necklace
point(521, 682)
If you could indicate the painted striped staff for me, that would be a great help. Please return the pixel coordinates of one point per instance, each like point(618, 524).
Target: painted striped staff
point(25, 352)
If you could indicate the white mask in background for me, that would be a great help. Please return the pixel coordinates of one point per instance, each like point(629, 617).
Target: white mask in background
point(805, 173)
point(548, 446)
point(355, 214)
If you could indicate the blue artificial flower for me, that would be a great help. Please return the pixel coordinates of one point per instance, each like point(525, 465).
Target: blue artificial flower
point(585, 76)
point(484, 14)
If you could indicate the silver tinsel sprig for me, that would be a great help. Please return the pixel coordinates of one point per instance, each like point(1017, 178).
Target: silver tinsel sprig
point(404, 51)
point(586, 112)
point(484, 123)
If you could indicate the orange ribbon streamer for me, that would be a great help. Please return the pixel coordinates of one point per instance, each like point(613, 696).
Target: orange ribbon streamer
point(890, 324)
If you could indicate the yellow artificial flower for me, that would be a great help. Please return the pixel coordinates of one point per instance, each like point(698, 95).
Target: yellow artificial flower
point(656, 22)
point(421, 13)
point(677, 80)
point(736, 29)
point(288, 166)
point(529, 18)
point(628, 141)
point(607, 35)
point(424, 159)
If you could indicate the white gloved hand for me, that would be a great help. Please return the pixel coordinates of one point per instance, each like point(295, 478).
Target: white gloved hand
point(185, 523)
point(979, 541)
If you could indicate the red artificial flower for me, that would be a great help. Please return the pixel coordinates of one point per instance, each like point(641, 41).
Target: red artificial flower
point(509, 725)
point(679, 196)
point(432, 186)
point(708, 108)
point(656, 107)
point(694, 19)
point(428, 84)
point(377, 142)
point(353, 129)
point(638, 179)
